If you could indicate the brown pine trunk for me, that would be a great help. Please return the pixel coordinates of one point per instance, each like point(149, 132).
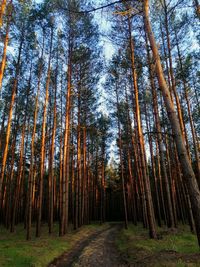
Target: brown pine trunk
point(132, 178)
point(64, 215)
point(21, 158)
point(188, 172)
point(103, 191)
point(2, 11)
point(79, 167)
point(121, 160)
point(61, 167)
point(8, 130)
point(197, 8)
point(51, 166)
point(194, 136)
point(43, 137)
point(150, 210)
point(84, 197)
point(173, 81)
point(10, 174)
point(6, 40)
point(153, 168)
point(31, 176)
point(19, 176)
point(160, 143)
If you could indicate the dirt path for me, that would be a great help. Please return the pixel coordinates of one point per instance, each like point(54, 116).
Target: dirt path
point(97, 251)
point(101, 251)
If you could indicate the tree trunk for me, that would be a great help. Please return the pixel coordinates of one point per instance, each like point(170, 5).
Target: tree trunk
point(188, 172)
point(21, 158)
point(51, 167)
point(150, 209)
point(64, 217)
point(8, 130)
point(43, 137)
point(194, 136)
point(121, 160)
point(2, 11)
point(6, 40)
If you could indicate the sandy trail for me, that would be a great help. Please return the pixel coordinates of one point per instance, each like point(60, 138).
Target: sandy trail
point(98, 250)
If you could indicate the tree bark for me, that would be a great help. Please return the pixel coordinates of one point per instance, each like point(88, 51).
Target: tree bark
point(150, 209)
point(8, 130)
point(6, 40)
point(2, 11)
point(188, 172)
point(43, 137)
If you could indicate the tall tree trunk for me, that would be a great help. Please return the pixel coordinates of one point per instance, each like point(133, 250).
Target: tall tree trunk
point(43, 137)
point(8, 130)
point(188, 172)
point(21, 158)
point(197, 8)
point(2, 11)
point(153, 167)
point(194, 136)
point(150, 209)
point(84, 197)
point(31, 176)
point(51, 161)
point(6, 40)
point(64, 217)
point(61, 166)
point(160, 142)
point(121, 159)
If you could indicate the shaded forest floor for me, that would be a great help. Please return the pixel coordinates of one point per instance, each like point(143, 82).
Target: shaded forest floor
point(116, 246)
point(15, 251)
point(176, 247)
point(96, 251)
point(94, 245)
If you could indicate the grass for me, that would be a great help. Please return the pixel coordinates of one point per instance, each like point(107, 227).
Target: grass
point(15, 251)
point(175, 248)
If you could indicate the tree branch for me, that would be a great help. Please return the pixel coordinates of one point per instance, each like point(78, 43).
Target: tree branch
point(94, 9)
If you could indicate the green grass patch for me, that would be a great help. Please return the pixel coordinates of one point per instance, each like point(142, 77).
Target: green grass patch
point(15, 251)
point(179, 246)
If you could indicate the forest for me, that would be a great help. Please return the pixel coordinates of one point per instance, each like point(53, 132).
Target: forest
point(99, 126)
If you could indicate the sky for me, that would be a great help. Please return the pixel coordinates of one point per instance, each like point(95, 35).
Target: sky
point(102, 18)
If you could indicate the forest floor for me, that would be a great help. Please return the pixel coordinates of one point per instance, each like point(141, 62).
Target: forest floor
point(108, 245)
point(15, 251)
point(116, 247)
point(99, 250)
point(177, 247)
